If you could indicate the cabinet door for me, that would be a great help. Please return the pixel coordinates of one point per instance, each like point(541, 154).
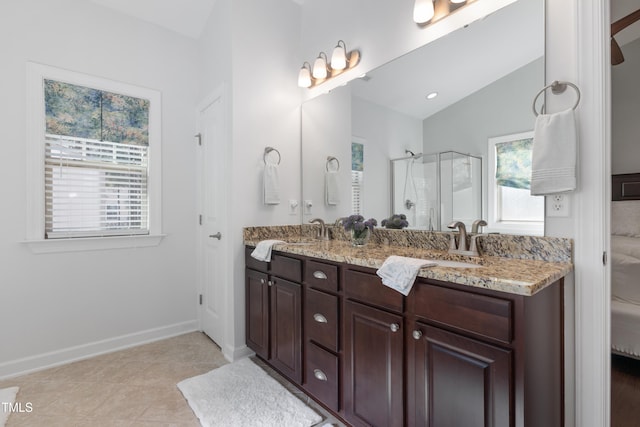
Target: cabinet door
point(286, 328)
point(257, 312)
point(373, 375)
point(457, 381)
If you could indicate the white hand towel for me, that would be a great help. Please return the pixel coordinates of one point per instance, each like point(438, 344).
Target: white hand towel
point(331, 189)
point(400, 273)
point(262, 252)
point(553, 161)
point(271, 184)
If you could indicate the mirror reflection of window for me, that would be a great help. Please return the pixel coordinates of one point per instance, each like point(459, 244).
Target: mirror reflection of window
point(357, 177)
point(512, 208)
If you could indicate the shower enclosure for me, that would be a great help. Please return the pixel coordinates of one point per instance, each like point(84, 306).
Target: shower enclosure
point(433, 190)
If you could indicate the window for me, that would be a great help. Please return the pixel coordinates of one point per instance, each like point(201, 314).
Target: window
point(512, 209)
point(94, 158)
point(357, 177)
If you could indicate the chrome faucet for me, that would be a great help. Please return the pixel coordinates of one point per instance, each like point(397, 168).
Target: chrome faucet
point(324, 231)
point(462, 239)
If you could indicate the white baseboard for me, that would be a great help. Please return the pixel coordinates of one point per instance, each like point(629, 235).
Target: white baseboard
point(39, 362)
point(235, 353)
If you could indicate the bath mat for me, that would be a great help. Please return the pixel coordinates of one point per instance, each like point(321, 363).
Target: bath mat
point(243, 394)
point(7, 396)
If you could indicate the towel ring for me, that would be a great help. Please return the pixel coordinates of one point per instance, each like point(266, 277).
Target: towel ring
point(556, 87)
point(267, 150)
point(329, 160)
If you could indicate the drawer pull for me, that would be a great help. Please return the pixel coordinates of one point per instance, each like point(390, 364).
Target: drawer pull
point(394, 327)
point(319, 318)
point(417, 334)
point(319, 275)
point(319, 375)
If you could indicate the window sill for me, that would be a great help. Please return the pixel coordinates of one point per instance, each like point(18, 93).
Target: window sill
point(46, 246)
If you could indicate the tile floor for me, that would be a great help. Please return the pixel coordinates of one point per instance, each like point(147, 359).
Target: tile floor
point(132, 387)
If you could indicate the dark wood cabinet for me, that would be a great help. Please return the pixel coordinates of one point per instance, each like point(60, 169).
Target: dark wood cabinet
point(373, 366)
point(445, 355)
point(457, 381)
point(274, 314)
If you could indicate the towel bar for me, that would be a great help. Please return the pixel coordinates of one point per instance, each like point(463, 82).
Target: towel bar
point(556, 88)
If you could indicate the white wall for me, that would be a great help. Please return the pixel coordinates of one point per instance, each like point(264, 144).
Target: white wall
point(51, 303)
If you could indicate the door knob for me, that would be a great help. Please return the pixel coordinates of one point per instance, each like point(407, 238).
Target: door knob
point(218, 235)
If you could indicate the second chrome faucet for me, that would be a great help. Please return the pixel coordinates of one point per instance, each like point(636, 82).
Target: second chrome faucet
point(460, 248)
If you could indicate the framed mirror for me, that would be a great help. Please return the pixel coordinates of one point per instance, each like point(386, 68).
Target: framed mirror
point(383, 127)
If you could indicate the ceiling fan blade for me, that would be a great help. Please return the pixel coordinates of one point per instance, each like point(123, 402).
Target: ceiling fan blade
point(616, 53)
point(623, 23)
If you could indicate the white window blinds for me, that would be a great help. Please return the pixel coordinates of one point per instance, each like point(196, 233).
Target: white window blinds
point(94, 188)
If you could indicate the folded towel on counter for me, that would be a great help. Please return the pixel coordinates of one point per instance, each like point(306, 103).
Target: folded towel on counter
point(271, 184)
point(399, 273)
point(262, 252)
point(554, 153)
point(331, 188)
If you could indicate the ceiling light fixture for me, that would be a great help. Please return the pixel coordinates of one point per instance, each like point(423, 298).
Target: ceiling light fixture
point(432, 95)
point(322, 69)
point(427, 12)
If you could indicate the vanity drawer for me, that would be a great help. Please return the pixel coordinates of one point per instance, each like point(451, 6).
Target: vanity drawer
point(286, 267)
point(253, 263)
point(321, 276)
point(321, 376)
point(480, 314)
point(321, 318)
point(368, 288)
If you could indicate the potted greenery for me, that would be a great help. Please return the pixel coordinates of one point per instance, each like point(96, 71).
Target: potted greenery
point(395, 221)
point(360, 229)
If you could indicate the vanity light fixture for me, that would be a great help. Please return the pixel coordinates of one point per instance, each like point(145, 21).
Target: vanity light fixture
point(322, 69)
point(304, 76)
point(426, 12)
point(320, 66)
point(423, 11)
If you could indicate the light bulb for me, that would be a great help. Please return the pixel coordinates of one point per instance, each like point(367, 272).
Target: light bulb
point(423, 11)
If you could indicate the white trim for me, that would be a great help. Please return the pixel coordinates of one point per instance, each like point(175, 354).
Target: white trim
point(51, 359)
point(232, 354)
point(35, 127)
point(592, 217)
point(46, 246)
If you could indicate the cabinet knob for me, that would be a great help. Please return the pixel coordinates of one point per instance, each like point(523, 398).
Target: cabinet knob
point(262, 281)
point(270, 283)
point(417, 334)
point(319, 275)
point(319, 375)
point(319, 318)
point(394, 327)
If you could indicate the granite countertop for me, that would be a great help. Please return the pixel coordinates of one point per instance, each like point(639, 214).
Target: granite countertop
point(515, 276)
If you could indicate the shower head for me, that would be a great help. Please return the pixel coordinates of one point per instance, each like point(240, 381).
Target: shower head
point(412, 154)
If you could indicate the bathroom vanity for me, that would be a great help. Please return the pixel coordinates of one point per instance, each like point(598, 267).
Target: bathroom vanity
point(469, 346)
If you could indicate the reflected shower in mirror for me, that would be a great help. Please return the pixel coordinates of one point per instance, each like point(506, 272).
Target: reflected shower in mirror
point(485, 76)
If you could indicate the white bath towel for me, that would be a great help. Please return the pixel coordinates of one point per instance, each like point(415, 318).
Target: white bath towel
point(331, 189)
point(400, 273)
point(271, 184)
point(262, 252)
point(553, 162)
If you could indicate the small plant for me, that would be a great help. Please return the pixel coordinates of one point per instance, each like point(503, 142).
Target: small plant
point(396, 221)
point(359, 228)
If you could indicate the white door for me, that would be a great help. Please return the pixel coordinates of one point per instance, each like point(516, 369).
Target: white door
point(213, 268)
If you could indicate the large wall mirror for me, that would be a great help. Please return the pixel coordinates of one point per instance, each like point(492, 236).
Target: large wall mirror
point(379, 146)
